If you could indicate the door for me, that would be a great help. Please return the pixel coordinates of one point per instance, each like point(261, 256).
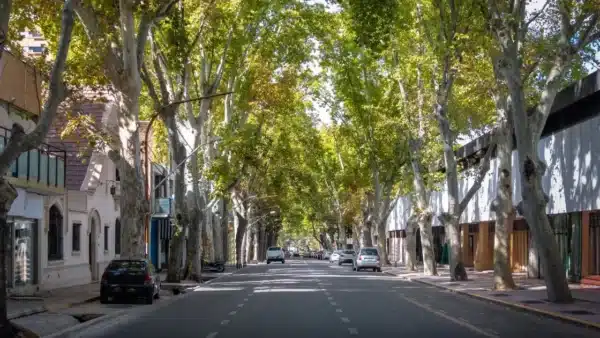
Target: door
point(594, 244)
point(92, 247)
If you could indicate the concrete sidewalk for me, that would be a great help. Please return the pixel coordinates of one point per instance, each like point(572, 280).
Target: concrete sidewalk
point(52, 300)
point(531, 296)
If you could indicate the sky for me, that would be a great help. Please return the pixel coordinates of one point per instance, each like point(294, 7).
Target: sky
point(323, 113)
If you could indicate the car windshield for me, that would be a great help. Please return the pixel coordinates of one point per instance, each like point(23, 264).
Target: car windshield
point(369, 252)
point(275, 248)
point(349, 252)
point(130, 266)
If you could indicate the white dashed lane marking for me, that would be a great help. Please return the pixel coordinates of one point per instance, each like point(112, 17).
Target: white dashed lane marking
point(352, 331)
point(232, 313)
point(225, 322)
point(345, 320)
point(333, 304)
point(245, 299)
point(240, 305)
point(212, 335)
point(338, 310)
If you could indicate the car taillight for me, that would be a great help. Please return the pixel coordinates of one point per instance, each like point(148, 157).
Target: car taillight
point(147, 279)
point(360, 258)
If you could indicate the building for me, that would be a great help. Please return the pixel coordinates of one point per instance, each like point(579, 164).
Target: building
point(38, 175)
point(33, 43)
point(570, 148)
point(161, 230)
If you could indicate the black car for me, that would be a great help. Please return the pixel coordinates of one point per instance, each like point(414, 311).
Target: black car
point(131, 278)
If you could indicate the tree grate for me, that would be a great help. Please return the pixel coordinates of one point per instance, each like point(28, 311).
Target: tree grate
point(500, 294)
point(578, 312)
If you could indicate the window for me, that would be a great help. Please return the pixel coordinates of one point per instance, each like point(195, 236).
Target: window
point(55, 220)
point(76, 246)
point(117, 175)
point(117, 237)
point(274, 248)
point(36, 49)
point(106, 238)
point(369, 252)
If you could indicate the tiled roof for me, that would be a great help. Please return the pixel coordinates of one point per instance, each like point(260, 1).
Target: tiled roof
point(78, 150)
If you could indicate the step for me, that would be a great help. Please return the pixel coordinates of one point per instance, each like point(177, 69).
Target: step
point(590, 281)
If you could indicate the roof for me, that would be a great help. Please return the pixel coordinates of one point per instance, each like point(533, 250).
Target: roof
point(572, 105)
point(76, 146)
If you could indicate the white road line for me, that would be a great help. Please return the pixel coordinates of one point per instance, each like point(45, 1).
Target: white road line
point(241, 305)
point(225, 322)
point(232, 313)
point(333, 303)
point(212, 335)
point(353, 331)
point(245, 299)
point(327, 293)
point(452, 319)
point(338, 310)
point(250, 294)
point(345, 320)
point(330, 298)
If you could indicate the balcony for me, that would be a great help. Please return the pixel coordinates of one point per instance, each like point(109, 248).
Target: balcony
point(39, 170)
point(162, 206)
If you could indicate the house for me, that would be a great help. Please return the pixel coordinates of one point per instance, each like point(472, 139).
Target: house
point(87, 219)
point(38, 176)
point(570, 147)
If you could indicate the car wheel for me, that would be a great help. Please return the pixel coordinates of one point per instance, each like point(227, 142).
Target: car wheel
point(268, 262)
point(103, 298)
point(340, 263)
point(283, 261)
point(374, 269)
point(150, 297)
point(378, 269)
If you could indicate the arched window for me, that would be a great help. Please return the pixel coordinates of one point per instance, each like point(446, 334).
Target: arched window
point(117, 237)
point(55, 243)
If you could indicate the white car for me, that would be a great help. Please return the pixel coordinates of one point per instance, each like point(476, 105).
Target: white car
point(335, 256)
point(326, 254)
point(275, 254)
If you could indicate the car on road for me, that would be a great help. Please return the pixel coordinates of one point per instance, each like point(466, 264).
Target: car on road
point(367, 258)
point(326, 254)
point(130, 278)
point(335, 256)
point(275, 254)
point(346, 256)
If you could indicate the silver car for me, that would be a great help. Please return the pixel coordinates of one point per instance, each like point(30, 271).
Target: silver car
point(367, 258)
point(335, 256)
point(346, 256)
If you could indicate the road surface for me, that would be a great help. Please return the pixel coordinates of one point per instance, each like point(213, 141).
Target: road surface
point(308, 298)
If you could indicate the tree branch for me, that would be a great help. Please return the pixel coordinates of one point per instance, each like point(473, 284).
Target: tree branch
point(19, 142)
point(483, 170)
point(199, 98)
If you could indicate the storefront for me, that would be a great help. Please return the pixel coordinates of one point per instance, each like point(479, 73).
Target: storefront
point(24, 219)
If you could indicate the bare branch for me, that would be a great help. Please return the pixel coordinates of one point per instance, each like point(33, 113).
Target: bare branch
point(537, 14)
point(483, 170)
point(199, 98)
point(19, 142)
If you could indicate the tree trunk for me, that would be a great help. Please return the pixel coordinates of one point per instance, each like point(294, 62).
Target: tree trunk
point(5, 10)
point(410, 252)
point(503, 205)
point(242, 223)
point(194, 249)
point(534, 205)
point(207, 226)
point(182, 219)
point(225, 229)
point(218, 235)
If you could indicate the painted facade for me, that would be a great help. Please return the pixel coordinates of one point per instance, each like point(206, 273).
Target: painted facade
point(89, 227)
point(571, 150)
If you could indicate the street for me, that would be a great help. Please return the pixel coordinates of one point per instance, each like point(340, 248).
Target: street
point(309, 298)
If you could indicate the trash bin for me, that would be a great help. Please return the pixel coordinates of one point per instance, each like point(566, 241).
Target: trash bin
point(445, 253)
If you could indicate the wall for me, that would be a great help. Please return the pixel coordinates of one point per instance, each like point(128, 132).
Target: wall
point(20, 84)
point(571, 180)
point(82, 205)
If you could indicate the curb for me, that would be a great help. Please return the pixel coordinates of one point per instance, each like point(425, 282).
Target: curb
point(524, 308)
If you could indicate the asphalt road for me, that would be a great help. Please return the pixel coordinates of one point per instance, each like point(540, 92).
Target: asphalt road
point(308, 298)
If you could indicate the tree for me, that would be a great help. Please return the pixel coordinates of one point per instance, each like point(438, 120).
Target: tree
point(20, 142)
point(568, 28)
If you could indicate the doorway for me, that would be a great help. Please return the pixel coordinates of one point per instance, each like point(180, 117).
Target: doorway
point(92, 244)
point(594, 253)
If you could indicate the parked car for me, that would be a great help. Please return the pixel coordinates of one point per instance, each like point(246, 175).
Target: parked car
point(335, 256)
point(346, 256)
point(326, 254)
point(275, 254)
point(367, 258)
point(135, 278)
point(319, 255)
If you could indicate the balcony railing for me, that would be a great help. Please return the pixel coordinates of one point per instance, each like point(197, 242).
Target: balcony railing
point(44, 165)
point(162, 206)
